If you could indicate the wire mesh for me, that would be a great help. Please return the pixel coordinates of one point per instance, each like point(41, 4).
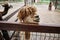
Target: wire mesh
point(37, 36)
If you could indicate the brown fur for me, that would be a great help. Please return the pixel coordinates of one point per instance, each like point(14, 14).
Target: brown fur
point(24, 13)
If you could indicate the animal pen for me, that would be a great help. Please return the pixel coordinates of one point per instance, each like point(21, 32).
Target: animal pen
point(37, 32)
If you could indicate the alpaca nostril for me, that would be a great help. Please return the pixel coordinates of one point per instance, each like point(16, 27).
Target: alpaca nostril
point(37, 16)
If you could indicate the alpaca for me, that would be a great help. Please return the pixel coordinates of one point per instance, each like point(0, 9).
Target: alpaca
point(28, 15)
point(50, 6)
point(6, 8)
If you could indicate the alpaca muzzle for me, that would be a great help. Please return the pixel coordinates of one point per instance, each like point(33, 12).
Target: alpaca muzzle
point(36, 18)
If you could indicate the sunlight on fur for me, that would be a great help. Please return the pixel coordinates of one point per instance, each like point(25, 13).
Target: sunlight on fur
point(27, 14)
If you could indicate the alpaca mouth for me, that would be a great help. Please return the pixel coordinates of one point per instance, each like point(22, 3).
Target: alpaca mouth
point(36, 18)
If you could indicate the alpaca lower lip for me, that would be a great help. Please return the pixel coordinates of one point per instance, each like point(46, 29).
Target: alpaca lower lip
point(37, 20)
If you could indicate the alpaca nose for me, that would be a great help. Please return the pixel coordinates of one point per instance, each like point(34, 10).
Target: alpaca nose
point(37, 16)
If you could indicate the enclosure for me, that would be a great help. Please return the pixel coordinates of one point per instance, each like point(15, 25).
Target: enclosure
point(47, 29)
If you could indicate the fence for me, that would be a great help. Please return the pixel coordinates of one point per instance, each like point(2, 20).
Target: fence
point(49, 31)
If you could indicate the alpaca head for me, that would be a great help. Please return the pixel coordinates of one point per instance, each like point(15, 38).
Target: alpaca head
point(6, 8)
point(6, 5)
point(27, 14)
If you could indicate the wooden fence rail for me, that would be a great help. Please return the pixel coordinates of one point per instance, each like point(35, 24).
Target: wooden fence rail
point(45, 28)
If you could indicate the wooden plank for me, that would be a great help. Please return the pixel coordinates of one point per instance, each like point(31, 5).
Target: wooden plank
point(55, 28)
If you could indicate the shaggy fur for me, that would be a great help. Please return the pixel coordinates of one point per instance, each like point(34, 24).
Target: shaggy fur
point(27, 15)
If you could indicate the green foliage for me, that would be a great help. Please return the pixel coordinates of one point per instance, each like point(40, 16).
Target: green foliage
point(20, 0)
point(44, 1)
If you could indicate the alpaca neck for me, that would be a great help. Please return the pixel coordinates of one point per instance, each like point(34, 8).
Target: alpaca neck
point(0, 17)
point(5, 11)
